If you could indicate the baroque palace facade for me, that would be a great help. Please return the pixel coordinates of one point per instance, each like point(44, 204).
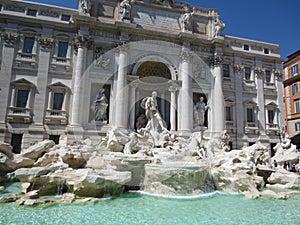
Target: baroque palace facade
point(72, 74)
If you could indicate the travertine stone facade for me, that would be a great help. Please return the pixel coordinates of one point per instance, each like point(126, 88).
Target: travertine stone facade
point(60, 68)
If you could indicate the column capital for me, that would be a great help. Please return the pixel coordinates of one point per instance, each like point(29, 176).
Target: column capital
point(10, 39)
point(278, 75)
point(81, 41)
point(134, 83)
point(46, 43)
point(174, 86)
point(186, 55)
point(238, 68)
point(216, 60)
point(121, 46)
point(259, 72)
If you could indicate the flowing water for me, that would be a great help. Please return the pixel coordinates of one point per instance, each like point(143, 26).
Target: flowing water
point(139, 208)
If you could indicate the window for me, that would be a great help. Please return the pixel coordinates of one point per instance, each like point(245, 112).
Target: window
point(250, 115)
point(247, 73)
point(16, 143)
point(226, 70)
point(246, 47)
point(266, 51)
point(58, 99)
point(54, 138)
point(31, 12)
point(65, 17)
point(295, 88)
point(294, 70)
point(62, 49)
point(297, 126)
point(271, 116)
point(268, 76)
point(228, 113)
point(22, 97)
point(297, 106)
point(28, 45)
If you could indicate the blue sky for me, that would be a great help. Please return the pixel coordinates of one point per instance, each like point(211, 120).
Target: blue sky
point(262, 20)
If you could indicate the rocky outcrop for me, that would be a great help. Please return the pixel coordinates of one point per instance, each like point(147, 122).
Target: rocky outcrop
point(87, 182)
point(37, 150)
point(178, 179)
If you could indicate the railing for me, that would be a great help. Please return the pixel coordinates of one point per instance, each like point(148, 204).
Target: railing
point(61, 60)
point(19, 111)
point(26, 56)
point(52, 113)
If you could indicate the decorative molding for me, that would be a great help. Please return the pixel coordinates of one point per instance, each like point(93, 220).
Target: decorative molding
point(10, 39)
point(46, 43)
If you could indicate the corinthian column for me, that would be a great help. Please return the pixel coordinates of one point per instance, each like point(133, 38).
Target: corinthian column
point(218, 109)
point(80, 44)
point(186, 117)
point(173, 89)
point(121, 112)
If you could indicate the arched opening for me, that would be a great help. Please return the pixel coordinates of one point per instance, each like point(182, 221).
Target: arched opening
point(153, 72)
point(153, 76)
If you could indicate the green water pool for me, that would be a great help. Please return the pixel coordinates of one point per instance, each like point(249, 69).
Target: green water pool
point(137, 208)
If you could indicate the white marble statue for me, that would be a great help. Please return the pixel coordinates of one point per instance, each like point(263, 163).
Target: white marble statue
point(125, 7)
point(225, 138)
point(199, 112)
point(84, 4)
point(187, 22)
point(101, 105)
point(219, 26)
point(155, 121)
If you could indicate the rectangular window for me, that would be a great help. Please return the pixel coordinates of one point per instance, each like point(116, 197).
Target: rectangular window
point(246, 47)
point(268, 76)
point(228, 113)
point(266, 51)
point(58, 100)
point(297, 106)
point(226, 71)
point(250, 115)
point(297, 126)
point(247, 73)
point(16, 143)
point(28, 45)
point(54, 138)
point(62, 49)
point(295, 88)
point(65, 17)
point(31, 12)
point(22, 97)
point(294, 70)
point(271, 116)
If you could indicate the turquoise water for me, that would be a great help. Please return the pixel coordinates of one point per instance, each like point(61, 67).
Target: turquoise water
point(136, 208)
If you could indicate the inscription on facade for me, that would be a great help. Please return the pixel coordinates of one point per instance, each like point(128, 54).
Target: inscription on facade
point(157, 18)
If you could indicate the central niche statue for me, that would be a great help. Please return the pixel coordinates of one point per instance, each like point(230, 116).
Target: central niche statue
point(155, 125)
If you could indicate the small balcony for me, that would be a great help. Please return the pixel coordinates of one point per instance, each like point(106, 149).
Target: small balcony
point(19, 115)
point(24, 59)
point(251, 128)
point(272, 129)
point(58, 117)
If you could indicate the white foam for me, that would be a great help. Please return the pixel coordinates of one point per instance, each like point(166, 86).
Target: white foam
point(206, 195)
